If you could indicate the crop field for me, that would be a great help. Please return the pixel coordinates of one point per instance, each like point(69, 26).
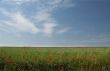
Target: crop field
point(55, 59)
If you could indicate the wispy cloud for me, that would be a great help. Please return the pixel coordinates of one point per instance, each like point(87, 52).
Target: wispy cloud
point(47, 21)
point(49, 28)
point(19, 22)
point(61, 31)
point(43, 16)
point(18, 2)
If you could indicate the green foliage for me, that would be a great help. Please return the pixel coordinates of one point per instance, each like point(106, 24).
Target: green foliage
point(55, 59)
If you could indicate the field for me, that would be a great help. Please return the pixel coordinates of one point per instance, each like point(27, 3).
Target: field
point(55, 59)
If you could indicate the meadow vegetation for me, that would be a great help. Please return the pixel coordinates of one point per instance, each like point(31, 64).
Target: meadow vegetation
point(55, 59)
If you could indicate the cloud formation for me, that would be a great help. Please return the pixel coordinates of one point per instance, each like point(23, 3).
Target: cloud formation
point(43, 16)
point(63, 30)
point(19, 22)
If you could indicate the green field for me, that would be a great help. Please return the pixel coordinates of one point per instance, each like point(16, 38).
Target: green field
point(54, 59)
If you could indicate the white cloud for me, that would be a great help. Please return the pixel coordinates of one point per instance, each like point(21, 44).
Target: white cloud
point(22, 23)
point(54, 2)
point(49, 28)
point(19, 22)
point(61, 31)
point(19, 2)
point(48, 22)
point(43, 16)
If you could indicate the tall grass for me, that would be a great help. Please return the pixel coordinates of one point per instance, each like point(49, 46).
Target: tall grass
point(54, 59)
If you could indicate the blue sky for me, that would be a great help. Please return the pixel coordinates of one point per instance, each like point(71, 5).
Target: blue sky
point(55, 22)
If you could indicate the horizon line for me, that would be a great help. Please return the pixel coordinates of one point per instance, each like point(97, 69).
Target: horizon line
point(54, 45)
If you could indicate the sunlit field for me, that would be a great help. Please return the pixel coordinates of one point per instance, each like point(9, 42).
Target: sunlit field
point(55, 59)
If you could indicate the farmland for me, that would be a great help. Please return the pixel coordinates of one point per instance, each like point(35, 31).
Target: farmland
point(55, 59)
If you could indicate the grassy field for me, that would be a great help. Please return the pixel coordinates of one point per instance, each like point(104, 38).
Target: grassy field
point(54, 59)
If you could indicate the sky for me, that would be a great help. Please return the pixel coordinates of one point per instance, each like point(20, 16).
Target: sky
point(55, 22)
